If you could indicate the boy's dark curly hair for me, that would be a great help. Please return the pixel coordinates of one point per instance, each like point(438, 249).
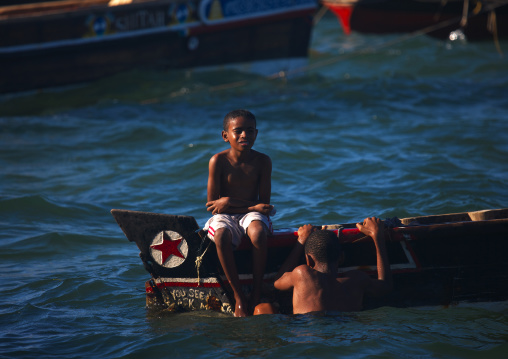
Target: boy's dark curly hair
point(324, 246)
point(235, 114)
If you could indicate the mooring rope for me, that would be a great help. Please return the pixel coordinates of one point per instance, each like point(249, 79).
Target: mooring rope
point(199, 261)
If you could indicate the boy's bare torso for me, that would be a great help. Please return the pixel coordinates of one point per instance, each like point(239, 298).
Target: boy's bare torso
point(240, 178)
point(316, 291)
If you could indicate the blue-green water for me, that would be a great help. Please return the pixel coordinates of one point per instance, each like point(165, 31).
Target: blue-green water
point(406, 128)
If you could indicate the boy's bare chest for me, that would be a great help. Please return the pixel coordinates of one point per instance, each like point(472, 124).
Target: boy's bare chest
point(241, 173)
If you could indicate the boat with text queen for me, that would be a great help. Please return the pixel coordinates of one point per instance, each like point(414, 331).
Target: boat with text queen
point(435, 260)
point(53, 43)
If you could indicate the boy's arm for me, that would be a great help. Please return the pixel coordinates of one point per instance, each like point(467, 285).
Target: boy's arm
point(213, 187)
point(235, 205)
point(374, 228)
point(285, 282)
point(265, 181)
point(292, 260)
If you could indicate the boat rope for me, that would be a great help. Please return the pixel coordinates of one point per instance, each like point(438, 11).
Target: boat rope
point(199, 261)
point(283, 74)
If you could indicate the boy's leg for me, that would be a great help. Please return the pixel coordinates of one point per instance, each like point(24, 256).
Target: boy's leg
point(257, 234)
point(223, 243)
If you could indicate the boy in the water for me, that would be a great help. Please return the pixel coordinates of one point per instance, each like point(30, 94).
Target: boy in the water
point(316, 285)
point(239, 190)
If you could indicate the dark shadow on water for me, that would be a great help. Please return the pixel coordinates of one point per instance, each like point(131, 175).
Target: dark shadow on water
point(143, 87)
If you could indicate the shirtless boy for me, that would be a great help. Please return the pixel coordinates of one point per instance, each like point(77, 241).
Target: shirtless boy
point(239, 190)
point(316, 286)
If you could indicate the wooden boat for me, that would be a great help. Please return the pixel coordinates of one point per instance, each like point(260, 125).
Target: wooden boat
point(53, 43)
point(476, 19)
point(435, 260)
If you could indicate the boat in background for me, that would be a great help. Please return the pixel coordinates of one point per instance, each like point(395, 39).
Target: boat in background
point(445, 19)
point(435, 260)
point(54, 43)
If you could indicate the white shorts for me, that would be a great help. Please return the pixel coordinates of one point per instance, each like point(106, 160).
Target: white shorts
point(237, 224)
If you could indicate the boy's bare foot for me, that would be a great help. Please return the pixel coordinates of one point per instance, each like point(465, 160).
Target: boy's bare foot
point(241, 307)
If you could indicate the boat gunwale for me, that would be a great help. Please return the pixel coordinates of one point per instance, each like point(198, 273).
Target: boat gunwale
point(65, 8)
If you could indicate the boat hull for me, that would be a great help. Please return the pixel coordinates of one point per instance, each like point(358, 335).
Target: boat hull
point(435, 18)
point(435, 260)
point(55, 49)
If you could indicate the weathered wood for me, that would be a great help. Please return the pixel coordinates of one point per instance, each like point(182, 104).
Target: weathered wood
point(458, 217)
point(488, 214)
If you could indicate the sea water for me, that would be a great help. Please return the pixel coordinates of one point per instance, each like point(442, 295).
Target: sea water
point(374, 126)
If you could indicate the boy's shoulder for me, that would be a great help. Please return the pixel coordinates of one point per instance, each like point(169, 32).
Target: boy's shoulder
point(304, 271)
point(255, 156)
point(221, 154)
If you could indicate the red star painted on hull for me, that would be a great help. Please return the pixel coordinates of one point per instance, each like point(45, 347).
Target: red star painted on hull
point(168, 247)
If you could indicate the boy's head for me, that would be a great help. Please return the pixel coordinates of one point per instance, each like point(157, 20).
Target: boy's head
point(323, 246)
point(235, 114)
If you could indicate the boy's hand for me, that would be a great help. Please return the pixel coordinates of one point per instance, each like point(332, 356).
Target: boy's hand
point(220, 205)
point(304, 232)
point(372, 227)
point(263, 208)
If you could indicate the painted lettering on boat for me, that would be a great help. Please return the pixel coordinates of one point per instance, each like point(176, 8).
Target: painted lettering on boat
point(199, 299)
point(226, 308)
point(140, 20)
point(191, 293)
point(182, 301)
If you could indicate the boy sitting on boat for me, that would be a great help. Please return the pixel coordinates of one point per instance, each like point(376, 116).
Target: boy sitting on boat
point(316, 285)
point(239, 190)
